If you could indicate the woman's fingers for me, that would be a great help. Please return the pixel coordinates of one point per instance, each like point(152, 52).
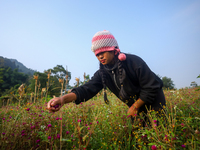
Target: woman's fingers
point(54, 104)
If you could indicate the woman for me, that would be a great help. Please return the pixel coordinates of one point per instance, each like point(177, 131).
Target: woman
point(126, 75)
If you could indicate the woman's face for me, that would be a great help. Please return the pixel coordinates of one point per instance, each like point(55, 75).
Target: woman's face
point(106, 58)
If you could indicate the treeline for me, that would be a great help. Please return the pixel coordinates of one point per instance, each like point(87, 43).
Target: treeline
point(11, 79)
point(49, 81)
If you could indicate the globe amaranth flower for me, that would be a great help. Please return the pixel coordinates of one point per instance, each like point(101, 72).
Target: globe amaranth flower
point(153, 147)
point(56, 106)
point(23, 134)
point(58, 136)
point(67, 132)
point(49, 125)
point(183, 146)
point(33, 127)
point(38, 141)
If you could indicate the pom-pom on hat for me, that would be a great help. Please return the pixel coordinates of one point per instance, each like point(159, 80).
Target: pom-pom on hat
point(104, 41)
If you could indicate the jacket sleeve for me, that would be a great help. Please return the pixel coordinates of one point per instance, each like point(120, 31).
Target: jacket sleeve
point(89, 89)
point(149, 83)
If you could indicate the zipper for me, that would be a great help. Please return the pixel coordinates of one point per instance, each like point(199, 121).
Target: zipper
point(115, 80)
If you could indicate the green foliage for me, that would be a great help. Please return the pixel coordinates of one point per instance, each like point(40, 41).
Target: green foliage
point(96, 125)
point(11, 79)
point(60, 72)
point(193, 84)
point(87, 78)
point(167, 83)
point(57, 73)
point(42, 80)
point(4, 62)
point(199, 86)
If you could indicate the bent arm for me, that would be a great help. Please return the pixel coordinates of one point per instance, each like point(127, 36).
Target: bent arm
point(88, 90)
point(69, 98)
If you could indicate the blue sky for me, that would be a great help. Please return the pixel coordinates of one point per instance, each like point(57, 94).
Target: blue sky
point(42, 34)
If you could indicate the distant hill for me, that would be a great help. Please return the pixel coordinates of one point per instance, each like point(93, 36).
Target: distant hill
point(13, 64)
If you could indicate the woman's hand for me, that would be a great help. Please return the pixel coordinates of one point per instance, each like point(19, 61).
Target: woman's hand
point(55, 104)
point(132, 111)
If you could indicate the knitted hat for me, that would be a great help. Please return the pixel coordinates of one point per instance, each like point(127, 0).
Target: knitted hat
point(104, 41)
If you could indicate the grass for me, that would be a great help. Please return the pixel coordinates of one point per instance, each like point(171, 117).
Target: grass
point(96, 125)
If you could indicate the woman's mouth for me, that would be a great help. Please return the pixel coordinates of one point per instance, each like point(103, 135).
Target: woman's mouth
point(103, 61)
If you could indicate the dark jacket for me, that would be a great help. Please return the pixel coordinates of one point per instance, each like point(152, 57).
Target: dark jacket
point(138, 81)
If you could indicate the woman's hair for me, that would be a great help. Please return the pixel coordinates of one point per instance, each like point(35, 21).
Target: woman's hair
point(122, 75)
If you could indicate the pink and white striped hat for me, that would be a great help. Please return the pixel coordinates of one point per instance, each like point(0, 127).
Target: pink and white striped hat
point(104, 41)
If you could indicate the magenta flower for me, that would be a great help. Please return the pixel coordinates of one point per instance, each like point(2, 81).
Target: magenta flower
point(49, 125)
point(67, 132)
point(57, 118)
point(3, 133)
point(33, 127)
point(23, 134)
point(97, 121)
point(56, 106)
point(88, 128)
point(153, 147)
point(143, 136)
point(58, 136)
point(183, 146)
point(155, 121)
point(4, 118)
point(23, 131)
point(38, 141)
point(49, 137)
point(79, 120)
point(27, 109)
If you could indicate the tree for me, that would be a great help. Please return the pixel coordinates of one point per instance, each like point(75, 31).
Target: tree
point(193, 84)
point(167, 83)
point(54, 85)
point(11, 78)
point(86, 79)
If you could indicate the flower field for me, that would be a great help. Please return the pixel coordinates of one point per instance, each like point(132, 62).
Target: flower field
point(96, 125)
